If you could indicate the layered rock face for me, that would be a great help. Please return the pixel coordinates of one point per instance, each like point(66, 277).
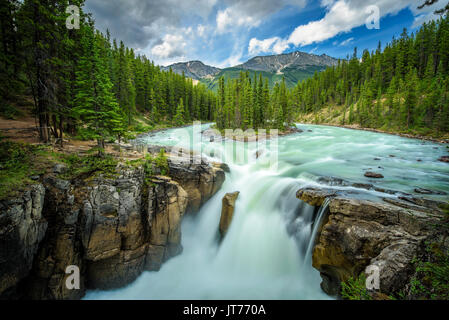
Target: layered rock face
point(360, 232)
point(200, 181)
point(112, 229)
point(22, 228)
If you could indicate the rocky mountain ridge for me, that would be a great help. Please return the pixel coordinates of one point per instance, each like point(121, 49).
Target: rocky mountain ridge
point(295, 66)
point(195, 70)
point(294, 60)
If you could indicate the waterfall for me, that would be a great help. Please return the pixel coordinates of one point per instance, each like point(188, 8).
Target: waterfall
point(267, 251)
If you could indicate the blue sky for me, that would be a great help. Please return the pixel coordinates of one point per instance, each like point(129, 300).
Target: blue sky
point(227, 33)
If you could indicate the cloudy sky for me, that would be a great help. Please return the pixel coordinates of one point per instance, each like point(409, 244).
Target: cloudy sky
point(227, 33)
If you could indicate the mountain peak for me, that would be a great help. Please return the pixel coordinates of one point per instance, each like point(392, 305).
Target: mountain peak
point(194, 69)
point(294, 66)
point(296, 59)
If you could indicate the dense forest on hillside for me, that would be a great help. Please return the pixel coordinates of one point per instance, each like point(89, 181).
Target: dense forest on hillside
point(402, 88)
point(86, 84)
point(405, 87)
point(292, 76)
point(247, 103)
point(81, 81)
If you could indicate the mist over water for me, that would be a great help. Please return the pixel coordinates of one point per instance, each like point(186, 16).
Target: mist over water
point(266, 253)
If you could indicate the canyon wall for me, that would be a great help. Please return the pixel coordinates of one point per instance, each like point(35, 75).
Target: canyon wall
point(111, 228)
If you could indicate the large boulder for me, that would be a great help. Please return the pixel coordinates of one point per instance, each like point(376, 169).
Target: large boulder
point(227, 211)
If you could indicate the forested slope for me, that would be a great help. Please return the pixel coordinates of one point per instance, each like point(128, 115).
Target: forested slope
point(402, 88)
point(82, 81)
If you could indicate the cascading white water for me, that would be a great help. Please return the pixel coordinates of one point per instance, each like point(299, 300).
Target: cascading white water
point(316, 226)
point(266, 253)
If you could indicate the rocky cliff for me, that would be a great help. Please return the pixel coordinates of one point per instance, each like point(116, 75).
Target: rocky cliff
point(295, 60)
point(112, 228)
point(387, 231)
point(193, 69)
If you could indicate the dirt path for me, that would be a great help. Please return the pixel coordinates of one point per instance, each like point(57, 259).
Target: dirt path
point(23, 130)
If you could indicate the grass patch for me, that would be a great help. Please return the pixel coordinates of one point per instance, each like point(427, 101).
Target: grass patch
point(431, 280)
point(355, 289)
point(149, 163)
point(19, 162)
point(90, 165)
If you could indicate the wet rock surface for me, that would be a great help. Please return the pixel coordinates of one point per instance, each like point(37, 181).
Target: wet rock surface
point(444, 159)
point(374, 175)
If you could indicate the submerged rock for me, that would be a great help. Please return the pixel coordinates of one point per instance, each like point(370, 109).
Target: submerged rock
point(444, 159)
point(426, 191)
point(374, 175)
point(315, 196)
point(222, 166)
point(227, 211)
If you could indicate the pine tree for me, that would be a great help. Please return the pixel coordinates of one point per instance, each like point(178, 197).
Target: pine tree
point(179, 118)
point(96, 105)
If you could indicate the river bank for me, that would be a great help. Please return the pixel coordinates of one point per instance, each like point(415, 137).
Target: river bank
point(404, 135)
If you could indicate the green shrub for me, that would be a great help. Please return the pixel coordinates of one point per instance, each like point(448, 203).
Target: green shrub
point(431, 280)
point(10, 112)
point(355, 289)
point(89, 165)
point(18, 161)
point(161, 162)
point(85, 134)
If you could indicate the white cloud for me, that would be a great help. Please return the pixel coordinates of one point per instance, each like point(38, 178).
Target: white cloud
point(200, 29)
point(313, 50)
point(427, 13)
point(341, 17)
point(249, 13)
point(327, 3)
point(172, 46)
point(231, 17)
point(275, 44)
point(233, 60)
point(346, 42)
